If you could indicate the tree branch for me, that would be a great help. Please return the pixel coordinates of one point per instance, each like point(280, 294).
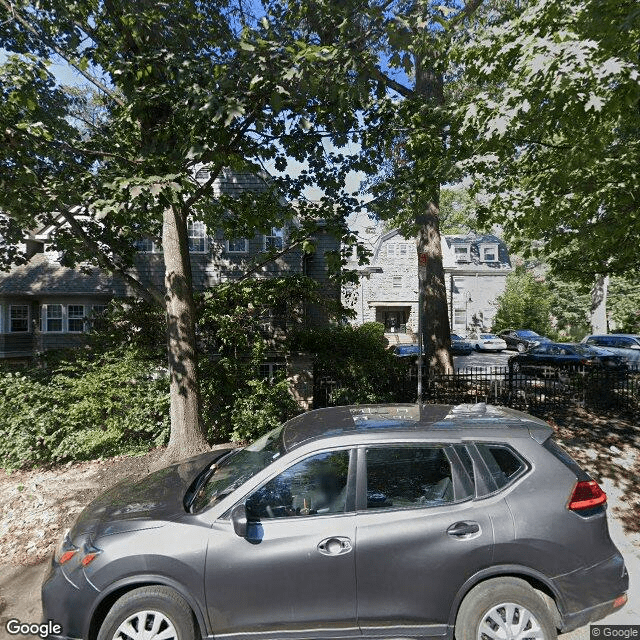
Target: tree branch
point(392, 84)
point(468, 10)
point(149, 293)
point(94, 81)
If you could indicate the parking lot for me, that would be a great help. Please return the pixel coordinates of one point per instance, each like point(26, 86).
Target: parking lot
point(483, 359)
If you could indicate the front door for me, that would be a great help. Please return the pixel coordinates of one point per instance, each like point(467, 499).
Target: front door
point(420, 537)
point(295, 571)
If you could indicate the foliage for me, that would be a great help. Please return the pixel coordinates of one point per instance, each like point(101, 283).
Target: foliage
point(525, 304)
point(357, 357)
point(556, 121)
point(80, 406)
point(570, 305)
point(624, 304)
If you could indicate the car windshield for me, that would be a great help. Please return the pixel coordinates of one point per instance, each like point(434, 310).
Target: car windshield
point(237, 468)
point(582, 349)
point(527, 334)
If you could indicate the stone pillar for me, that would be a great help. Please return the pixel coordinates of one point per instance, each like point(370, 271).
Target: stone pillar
point(300, 377)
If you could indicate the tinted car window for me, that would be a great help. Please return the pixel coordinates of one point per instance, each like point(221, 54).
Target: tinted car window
point(408, 477)
point(315, 486)
point(503, 463)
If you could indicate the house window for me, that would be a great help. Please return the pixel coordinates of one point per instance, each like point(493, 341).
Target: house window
point(197, 236)
point(397, 282)
point(238, 245)
point(203, 174)
point(75, 318)
point(144, 246)
point(18, 318)
point(269, 370)
point(275, 240)
point(52, 318)
point(403, 248)
point(460, 317)
point(391, 249)
point(490, 253)
point(461, 253)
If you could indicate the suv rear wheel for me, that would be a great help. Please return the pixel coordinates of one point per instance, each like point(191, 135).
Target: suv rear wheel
point(149, 613)
point(504, 609)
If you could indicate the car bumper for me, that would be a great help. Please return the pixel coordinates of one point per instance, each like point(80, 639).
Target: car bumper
point(590, 594)
point(65, 604)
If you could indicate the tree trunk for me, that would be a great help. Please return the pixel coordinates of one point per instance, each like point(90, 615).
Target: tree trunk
point(436, 335)
point(187, 434)
point(598, 314)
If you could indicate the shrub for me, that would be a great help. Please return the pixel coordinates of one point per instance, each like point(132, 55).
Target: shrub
point(81, 408)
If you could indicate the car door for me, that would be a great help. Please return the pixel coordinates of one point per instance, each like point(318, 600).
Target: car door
point(420, 536)
point(294, 573)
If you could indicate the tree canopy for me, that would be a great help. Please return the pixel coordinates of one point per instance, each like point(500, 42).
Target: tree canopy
point(556, 121)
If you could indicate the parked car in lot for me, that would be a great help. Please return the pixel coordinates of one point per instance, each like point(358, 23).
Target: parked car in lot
point(261, 541)
point(406, 350)
point(460, 346)
point(551, 357)
point(486, 342)
point(622, 344)
point(521, 339)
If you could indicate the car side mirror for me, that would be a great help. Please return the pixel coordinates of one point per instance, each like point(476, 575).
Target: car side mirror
point(239, 520)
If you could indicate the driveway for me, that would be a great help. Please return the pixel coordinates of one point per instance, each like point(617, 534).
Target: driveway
point(483, 359)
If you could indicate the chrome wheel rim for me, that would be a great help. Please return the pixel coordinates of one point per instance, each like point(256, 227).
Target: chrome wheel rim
point(146, 625)
point(509, 621)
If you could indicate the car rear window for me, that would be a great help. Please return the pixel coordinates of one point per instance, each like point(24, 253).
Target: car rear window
point(503, 463)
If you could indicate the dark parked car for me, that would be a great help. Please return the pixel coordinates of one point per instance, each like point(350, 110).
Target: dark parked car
point(470, 520)
point(622, 344)
point(460, 346)
point(552, 357)
point(521, 339)
point(406, 350)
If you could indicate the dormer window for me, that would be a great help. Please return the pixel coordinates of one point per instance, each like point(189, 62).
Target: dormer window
point(489, 252)
point(462, 252)
point(203, 174)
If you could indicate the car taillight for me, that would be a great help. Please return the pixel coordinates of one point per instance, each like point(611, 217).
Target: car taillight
point(67, 555)
point(586, 494)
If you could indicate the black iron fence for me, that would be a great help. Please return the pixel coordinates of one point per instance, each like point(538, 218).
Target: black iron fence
point(498, 385)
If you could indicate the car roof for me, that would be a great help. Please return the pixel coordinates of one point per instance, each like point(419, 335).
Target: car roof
point(393, 420)
point(614, 335)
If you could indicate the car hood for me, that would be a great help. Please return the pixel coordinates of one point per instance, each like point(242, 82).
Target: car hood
point(144, 503)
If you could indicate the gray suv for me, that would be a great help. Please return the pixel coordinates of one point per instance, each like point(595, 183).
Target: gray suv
point(622, 344)
point(391, 521)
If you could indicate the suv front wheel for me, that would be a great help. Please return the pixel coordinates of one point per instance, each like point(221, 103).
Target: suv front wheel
point(149, 613)
point(504, 609)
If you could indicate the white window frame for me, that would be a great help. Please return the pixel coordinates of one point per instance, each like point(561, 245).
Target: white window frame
point(192, 225)
point(83, 318)
point(489, 247)
point(462, 256)
point(203, 174)
point(456, 315)
point(45, 318)
point(234, 251)
point(10, 323)
point(391, 248)
point(396, 282)
point(277, 233)
point(402, 247)
point(271, 369)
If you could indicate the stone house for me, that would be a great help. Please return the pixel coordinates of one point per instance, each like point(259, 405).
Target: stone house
point(475, 269)
point(45, 305)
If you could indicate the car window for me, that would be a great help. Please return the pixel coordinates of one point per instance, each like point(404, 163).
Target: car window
point(315, 486)
point(408, 476)
point(503, 463)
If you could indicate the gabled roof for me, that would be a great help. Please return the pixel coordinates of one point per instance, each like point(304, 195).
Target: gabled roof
point(43, 275)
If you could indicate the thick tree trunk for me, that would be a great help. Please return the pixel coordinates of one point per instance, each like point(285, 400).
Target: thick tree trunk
point(187, 434)
point(436, 335)
point(598, 314)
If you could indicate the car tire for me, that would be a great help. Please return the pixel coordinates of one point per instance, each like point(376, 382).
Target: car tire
point(488, 607)
point(141, 609)
point(520, 347)
point(477, 347)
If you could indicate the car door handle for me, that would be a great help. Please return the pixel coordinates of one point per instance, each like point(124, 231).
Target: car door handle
point(463, 529)
point(334, 546)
